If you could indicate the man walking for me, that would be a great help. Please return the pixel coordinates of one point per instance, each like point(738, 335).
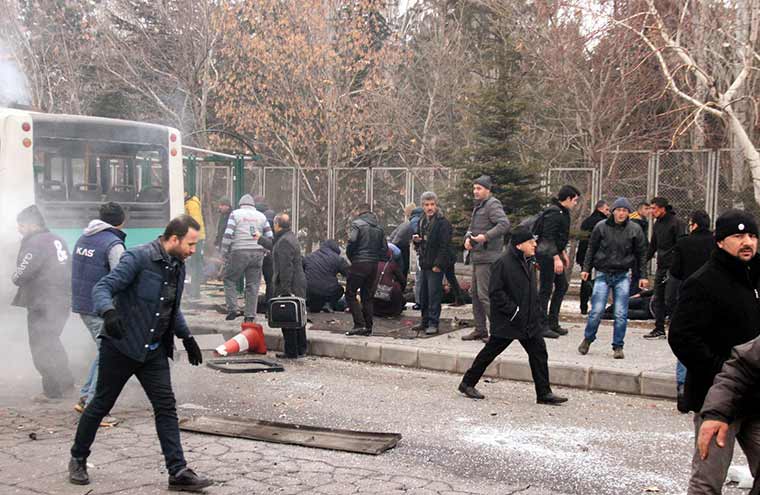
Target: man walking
point(730, 411)
point(718, 309)
point(433, 242)
point(613, 249)
point(601, 212)
point(366, 246)
point(289, 280)
point(139, 301)
point(514, 316)
point(42, 277)
point(667, 229)
point(485, 242)
point(96, 253)
point(553, 234)
point(244, 256)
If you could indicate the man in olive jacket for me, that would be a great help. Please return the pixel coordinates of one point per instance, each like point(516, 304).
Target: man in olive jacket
point(718, 309)
point(731, 406)
point(514, 316)
point(484, 242)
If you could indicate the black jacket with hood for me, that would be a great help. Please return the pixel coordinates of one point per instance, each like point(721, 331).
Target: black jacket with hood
point(322, 268)
point(366, 239)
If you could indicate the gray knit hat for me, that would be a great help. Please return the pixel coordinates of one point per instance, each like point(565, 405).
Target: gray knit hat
point(622, 202)
point(485, 181)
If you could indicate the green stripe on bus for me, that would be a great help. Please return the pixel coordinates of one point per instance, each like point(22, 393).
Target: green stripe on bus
point(135, 237)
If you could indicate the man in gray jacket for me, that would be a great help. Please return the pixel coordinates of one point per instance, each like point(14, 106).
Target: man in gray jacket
point(484, 241)
point(244, 256)
point(616, 246)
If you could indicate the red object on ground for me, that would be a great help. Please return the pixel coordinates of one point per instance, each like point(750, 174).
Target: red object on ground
point(250, 339)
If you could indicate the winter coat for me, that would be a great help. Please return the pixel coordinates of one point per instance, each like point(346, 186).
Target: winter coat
point(366, 239)
point(389, 273)
point(322, 268)
point(588, 226)
point(243, 224)
point(643, 222)
point(691, 252)
point(514, 297)
point(666, 232)
point(96, 253)
point(488, 218)
point(718, 308)
point(736, 390)
point(133, 289)
point(289, 277)
point(267, 211)
point(616, 247)
point(555, 230)
point(43, 272)
point(435, 247)
point(193, 208)
point(402, 235)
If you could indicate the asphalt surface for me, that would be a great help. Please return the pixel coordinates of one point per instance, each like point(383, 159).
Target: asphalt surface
point(595, 444)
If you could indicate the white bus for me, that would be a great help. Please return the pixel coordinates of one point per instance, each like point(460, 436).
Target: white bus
point(69, 165)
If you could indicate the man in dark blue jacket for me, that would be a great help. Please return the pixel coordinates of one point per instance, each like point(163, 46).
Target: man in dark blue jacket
point(322, 268)
point(140, 303)
point(42, 276)
point(96, 253)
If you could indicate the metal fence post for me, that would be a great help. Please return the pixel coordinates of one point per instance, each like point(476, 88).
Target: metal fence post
point(238, 178)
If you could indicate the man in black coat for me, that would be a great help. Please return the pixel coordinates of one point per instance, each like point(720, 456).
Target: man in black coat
point(433, 240)
point(322, 268)
point(515, 315)
point(718, 309)
point(601, 212)
point(288, 279)
point(666, 232)
point(42, 276)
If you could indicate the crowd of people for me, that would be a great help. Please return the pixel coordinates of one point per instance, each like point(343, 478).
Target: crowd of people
point(706, 285)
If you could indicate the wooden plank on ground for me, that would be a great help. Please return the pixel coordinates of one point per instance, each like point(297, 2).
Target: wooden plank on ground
point(360, 442)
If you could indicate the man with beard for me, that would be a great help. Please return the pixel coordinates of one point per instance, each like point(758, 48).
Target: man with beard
point(718, 309)
point(139, 301)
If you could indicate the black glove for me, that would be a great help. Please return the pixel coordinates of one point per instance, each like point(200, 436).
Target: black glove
point(194, 354)
point(113, 326)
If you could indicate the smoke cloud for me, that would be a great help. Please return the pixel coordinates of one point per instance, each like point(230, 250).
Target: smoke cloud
point(14, 88)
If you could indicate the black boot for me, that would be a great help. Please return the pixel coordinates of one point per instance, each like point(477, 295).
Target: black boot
point(550, 399)
point(187, 481)
point(470, 392)
point(359, 331)
point(78, 472)
point(231, 316)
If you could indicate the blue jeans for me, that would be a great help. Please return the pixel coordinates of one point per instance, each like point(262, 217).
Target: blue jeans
point(620, 283)
point(680, 373)
point(431, 293)
point(94, 324)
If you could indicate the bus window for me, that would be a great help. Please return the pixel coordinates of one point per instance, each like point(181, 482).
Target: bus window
point(121, 187)
point(50, 176)
point(152, 175)
point(84, 180)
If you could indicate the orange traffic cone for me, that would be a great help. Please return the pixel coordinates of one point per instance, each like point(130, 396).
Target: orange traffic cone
point(250, 339)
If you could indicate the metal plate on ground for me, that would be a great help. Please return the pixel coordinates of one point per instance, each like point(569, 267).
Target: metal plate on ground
point(359, 442)
point(235, 365)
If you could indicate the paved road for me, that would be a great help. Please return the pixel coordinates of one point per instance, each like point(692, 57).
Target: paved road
point(597, 443)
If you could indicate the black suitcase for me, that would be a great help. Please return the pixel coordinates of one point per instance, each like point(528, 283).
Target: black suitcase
point(287, 312)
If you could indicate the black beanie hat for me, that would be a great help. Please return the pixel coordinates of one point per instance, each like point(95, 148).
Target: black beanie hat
point(31, 215)
point(112, 213)
point(485, 181)
point(734, 222)
point(520, 235)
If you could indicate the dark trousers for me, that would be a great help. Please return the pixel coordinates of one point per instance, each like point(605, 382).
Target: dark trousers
point(456, 291)
point(45, 326)
point(113, 372)
point(405, 261)
point(267, 269)
point(665, 294)
point(431, 293)
point(537, 358)
point(587, 288)
point(552, 287)
point(294, 341)
point(361, 278)
point(635, 277)
point(315, 302)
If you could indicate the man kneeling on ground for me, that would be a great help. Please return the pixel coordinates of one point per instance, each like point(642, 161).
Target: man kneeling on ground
point(515, 315)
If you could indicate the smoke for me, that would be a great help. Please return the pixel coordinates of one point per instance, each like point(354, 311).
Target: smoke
point(14, 87)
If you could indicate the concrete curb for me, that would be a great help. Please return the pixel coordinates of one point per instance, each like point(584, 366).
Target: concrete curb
point(596, 378)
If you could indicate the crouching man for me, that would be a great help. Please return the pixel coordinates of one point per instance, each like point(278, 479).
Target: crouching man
point(139, 301)
point(515, 315)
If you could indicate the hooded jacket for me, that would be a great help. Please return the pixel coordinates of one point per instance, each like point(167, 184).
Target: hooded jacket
point(488, 218)
point(718, 308)
point(616, 247)
point(366, 239)
point(96, 253)
point(666, 232)
point(193, 208)
point(322, 268)
point(42, 272)
point(243, 224)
